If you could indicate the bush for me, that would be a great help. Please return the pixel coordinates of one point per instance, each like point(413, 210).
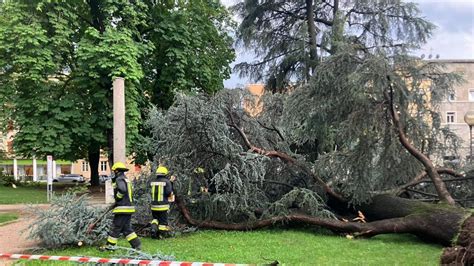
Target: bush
point(67, 221)
point(6, 180)
point(78, 189)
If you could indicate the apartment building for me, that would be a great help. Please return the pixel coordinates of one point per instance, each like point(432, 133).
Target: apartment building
point(456, 105)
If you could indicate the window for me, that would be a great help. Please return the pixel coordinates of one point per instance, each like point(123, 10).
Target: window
point(471, 95)
point(85, 166)
point(451, 96)
point(450, 117)
point(103, 166)
point(451, 160)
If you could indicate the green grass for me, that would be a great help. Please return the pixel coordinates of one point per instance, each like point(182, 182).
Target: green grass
point(291, 247)
point(32, 193)
point(9, 195)
point(6, 217)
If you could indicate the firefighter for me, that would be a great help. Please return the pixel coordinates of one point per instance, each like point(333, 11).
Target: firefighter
point(123, 210)
point(161, 196)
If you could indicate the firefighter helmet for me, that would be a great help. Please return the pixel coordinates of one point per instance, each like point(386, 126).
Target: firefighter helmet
point(199, 170)
point(161, 170)
point(119, 166)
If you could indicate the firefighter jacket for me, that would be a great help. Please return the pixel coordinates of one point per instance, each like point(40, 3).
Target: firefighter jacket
point(123, 194)
point(161, 189)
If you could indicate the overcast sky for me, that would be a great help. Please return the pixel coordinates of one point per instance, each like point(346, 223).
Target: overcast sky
point(452, 39)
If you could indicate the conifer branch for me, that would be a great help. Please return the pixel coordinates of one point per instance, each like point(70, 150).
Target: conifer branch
point(284, 157)
point(429, 167)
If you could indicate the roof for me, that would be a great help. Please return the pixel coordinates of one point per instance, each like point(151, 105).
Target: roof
point(462, 61)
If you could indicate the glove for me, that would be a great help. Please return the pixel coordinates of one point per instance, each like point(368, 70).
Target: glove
point(171, 198)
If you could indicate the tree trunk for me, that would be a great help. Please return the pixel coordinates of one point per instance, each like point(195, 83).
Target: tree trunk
point(430, 169)
point(313, 52)
point(94, 158)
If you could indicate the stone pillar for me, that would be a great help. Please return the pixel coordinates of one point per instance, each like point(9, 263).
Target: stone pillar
point(54, 170)
point(35, 170)
point(15, 169)
point(119, 153)
point(119, 120)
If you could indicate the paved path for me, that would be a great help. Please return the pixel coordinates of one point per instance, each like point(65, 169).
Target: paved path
point(14, 236)
point(12, 240)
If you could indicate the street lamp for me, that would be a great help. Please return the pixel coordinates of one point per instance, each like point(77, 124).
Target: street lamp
point(469, 119)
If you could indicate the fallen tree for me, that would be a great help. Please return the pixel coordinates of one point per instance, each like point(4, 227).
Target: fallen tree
point(431, 222)
point(248, 185)
point(365, 123)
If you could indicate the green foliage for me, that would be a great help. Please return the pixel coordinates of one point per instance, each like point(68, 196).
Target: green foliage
point(302, 199)
point(78, 189)
point(192, 48)
point(7, 217)
point(6, 180)
point(142, 200)
point(360, 147)
point(58, 60)
point(67, 221)
point(10, 195)
point(288, 50)
point(200, 131)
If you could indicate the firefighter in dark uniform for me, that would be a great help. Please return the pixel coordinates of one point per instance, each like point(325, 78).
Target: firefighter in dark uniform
point(123, 209)
point(161, 196)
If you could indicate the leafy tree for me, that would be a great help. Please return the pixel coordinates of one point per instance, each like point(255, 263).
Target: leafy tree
point(290, 38)
point(58, 61)
point(192, 48)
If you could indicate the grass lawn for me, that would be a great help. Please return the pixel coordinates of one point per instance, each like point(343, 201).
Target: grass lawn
point(291, 247)
point(29, 194)
point(6, 217)
point(9, 195)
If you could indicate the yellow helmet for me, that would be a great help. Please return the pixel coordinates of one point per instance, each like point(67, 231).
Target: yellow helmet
point(161, 170)
point(119, 166)
point(199, 170)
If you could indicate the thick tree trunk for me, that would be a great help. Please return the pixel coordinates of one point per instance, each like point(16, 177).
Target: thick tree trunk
point(433, 222)
point(94, 158)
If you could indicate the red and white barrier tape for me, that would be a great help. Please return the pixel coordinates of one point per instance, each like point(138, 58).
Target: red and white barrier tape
point(108, 260)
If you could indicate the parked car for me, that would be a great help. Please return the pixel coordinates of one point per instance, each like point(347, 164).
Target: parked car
point(69, 178)
point(104, 178)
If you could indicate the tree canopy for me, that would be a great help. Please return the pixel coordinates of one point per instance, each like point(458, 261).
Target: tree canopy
point(290, 38)
point(58, 60)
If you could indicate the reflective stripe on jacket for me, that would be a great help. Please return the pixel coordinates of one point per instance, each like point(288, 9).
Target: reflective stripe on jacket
point(161, 189)
point(123, 194)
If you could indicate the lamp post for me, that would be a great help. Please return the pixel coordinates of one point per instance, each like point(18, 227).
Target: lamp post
point(469, 119)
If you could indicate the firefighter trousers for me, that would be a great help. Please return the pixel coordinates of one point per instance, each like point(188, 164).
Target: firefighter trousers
point(122, 225)
point(159, 225)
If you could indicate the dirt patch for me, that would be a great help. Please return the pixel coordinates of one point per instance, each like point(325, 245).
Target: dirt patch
point(14, 237)
point(463, 252)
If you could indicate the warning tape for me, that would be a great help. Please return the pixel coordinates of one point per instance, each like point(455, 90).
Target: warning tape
point(112, 260)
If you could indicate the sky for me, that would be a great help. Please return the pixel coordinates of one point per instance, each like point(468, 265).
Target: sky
point(453, 37)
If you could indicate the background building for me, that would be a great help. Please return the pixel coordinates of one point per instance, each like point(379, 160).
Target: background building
point(35, 169)
point(455, 106)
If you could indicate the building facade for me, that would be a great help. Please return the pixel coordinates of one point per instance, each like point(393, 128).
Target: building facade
point(34, 169)
point(457, 104)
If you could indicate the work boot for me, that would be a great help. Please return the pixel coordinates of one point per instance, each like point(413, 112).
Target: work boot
point(107, 247)
point(165, 234)
point(154, 231)
point(136, 244)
